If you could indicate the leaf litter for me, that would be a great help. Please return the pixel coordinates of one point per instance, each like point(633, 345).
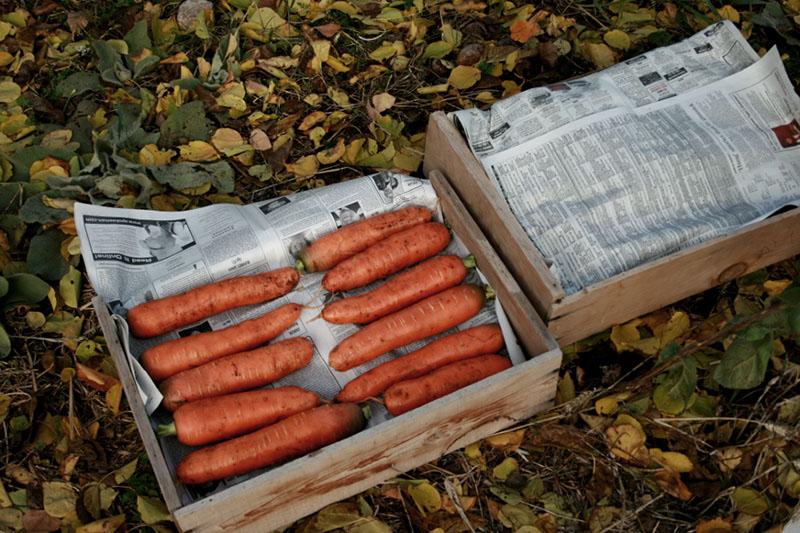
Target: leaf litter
point(680, 420)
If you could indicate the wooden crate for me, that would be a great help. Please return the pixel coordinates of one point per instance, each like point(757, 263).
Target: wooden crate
point(618, 299)
point(286, 493)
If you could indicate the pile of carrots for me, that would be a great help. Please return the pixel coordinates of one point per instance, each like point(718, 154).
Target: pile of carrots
point(212, 381)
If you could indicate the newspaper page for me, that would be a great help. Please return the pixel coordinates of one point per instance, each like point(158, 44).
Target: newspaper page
point(616, 189)
point(132, 256)
point(710, 55)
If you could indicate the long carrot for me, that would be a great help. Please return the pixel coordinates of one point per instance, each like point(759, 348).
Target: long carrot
point(214, 419)
point(177, 355)
point(157, 317)
point(334, 247)
point(430, 316)
point(423, 280)
point(410, 394)
point(458, 346)
point(388, 256)
point(291, 437)
point(237, 372)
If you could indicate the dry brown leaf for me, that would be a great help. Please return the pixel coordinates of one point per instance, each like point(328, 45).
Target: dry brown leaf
point(523, 30)
point(715, 525)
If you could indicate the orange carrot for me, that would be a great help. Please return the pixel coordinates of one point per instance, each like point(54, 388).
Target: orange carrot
point(214, 419)
point(177, 355)
point(461, 345)
point(430, 316)
point(427, 278)
point(388, 256)
point(237, 372)
point(291, 437)
point(410, 394)
point(157, 317)
point(334, 247)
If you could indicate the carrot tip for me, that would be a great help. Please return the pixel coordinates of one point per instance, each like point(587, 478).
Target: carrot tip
point(489, 292)
point(469, 261)
point(366, 411)
point(300, 266)
point(167, 430)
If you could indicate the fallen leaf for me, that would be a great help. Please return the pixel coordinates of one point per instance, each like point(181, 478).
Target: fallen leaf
point(152, 510)
point(59, 498)
point(729, 458)
point(715, 525)
point(425, 496)
point(226, 138)
point(121, 475)
point(9, 92)
point(383, 101)
point(609, 404)
point(35, 520)
point(617, 39)
point(670, 482)
point(628, 443)
point(113, 398)
point(505, 469)
point(750, 501)
point(508, 441)
point(729, 12)
point(94, 378)
point(305, 167)
point(198, 151)
point(674, 460)
point(259, 140)
point(523, 30)
point(104, 525)
point(463, 77)
point(600, 54)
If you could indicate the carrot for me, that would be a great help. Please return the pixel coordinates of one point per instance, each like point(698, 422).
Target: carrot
point(237, 372)
point(388, 256)
point(430, 316)
point(410, 394)
point(334, 247)
point(425, 279)
point(177, 355)
point(157, 317)
point(291, 437)
point(214, 419)
point(461, 345)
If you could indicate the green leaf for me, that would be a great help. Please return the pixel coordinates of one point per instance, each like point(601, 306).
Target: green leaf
point(137, 38)
point(744, 364)
point(70, 287)
point(186, 123)
point(790, 296)
point(3, 286)
point(44, 255)
point(506, 494)
point(437, 50)
point(108, 62)
point(750, 501)
point(773, 17)
point(369, 525)
point(152, 510)
point(533, 489)
point(519, 515)
point(34, 211)
point(672, 395)
point(78, 83)
point(5, 343)
point(24, 288)
point(86, 350)
point(505, 469)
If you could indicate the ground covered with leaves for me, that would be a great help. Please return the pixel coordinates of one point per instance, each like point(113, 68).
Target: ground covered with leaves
point(683, 419)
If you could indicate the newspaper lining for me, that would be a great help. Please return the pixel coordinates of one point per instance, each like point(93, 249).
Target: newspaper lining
point(136, 255)
point(604, 177)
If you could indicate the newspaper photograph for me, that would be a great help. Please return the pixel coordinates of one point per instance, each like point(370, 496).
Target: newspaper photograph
point(133, 256)
point(618, 188)
point(708, 56)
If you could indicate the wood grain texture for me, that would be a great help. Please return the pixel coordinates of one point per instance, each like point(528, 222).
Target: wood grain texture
point(164, 475)
point(447, 152)
point(284, 494)
point(664, 281)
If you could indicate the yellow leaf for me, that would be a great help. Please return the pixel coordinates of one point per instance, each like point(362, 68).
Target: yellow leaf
point(321, 49)
point(305, 167)
point(381, 102)
point(624, 418)
point(198, 151)
point(9, 91)
point(473, 451)
point(332, 155)
point(225, 138)
point(113, 397)
point(150, 155)
point(617, 39)
point(777, 286)
point(385, 51)
point(729, 12)
point(600, 54)
point(627, 443)
point(431, 89)
point(464, 77)
point(610, 404)
point(311, 120)
point(233, 97)
point(505, 469)
point(351, 154)
point(59, 498)
point(339, 96)
point(677, 326)
point(674, 460)
point(750, 501)
point(508, 441)
point(316, 135)
point(5, 58)
point(122, 474)
point(426, 497)
point(336, 65)
point(57, 139)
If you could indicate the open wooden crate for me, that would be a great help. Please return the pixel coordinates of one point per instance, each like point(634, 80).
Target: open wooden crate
point(618, 299)
point(288, 492)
